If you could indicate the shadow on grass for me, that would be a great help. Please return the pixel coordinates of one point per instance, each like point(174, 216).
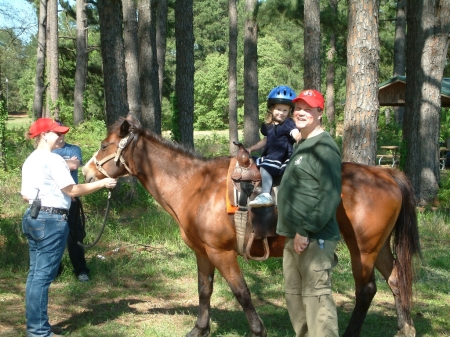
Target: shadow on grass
point(226, 322)
point(381, 319)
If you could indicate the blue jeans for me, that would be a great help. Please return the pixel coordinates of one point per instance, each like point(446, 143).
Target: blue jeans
point(47, 237)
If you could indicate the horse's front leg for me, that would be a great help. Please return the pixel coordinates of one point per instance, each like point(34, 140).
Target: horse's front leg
point(205, 273)
point(227, 264)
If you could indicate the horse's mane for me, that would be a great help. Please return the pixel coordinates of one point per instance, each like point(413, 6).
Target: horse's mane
point(136, 127)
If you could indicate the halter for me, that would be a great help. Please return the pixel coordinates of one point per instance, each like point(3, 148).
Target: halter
point(117, 155)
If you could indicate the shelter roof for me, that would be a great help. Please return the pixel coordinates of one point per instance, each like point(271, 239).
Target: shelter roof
point(392, 92)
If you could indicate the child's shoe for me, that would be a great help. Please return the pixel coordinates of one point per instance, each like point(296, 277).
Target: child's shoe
point(262, 200)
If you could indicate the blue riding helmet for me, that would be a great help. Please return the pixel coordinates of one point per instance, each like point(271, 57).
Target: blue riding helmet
point(281, 95)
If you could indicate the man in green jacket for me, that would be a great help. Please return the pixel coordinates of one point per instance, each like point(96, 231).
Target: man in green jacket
point(308, 197)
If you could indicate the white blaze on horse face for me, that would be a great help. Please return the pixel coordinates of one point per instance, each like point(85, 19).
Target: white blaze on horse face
point(86, 170)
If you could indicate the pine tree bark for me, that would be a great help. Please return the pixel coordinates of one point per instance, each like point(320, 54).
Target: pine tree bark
point(130, 37)
point(331, 74)
point(232, 76)
point(184, 83)
point(361, 104)
point(428, 24)
point(81, 62)
point(311, 72)
point(39, 86)
point(53, 57)
point(251, 113)
point(399, 52)
point(148, 66)
point(161, 37)
point(114, 74)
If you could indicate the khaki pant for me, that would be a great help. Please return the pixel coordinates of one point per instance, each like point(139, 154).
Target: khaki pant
point(307, 278)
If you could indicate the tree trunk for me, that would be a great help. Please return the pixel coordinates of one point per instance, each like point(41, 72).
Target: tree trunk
point(161, 36)
point(399, 52)
point(184, 83)
point(232, 76)
point(251, 114)
point(114, 74)
point(311, 75)
point(331, 74)
point(426, 44)
point(81, 64)
point(148, 66)
point(361, 104)
point(39, 86)
point(52, 55)
point(130, 38)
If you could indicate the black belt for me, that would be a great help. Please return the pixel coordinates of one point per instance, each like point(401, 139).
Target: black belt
point(55, 210)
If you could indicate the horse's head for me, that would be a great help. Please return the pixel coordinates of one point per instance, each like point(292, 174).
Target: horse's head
point(112, 159)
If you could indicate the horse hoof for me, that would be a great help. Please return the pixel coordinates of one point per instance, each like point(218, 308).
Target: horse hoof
point(407, 331)
point(197, 332)
point(263, 334)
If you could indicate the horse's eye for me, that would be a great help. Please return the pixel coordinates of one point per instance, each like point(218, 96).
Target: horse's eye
point(103, 146)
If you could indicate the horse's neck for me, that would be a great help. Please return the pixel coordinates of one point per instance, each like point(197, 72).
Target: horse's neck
point(166, 171)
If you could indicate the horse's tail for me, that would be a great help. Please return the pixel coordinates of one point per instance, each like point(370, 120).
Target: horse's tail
point(406, 239)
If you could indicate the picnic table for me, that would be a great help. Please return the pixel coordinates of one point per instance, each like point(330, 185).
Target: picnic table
point(443, 156)
point(389, 152)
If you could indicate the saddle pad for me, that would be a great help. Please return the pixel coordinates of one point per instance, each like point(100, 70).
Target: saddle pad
point(232, 206)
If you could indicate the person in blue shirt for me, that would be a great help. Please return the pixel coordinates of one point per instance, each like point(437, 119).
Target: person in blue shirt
point(72, 155)
point(280, 134)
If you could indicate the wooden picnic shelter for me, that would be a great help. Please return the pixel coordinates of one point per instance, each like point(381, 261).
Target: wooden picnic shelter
point(392, 92)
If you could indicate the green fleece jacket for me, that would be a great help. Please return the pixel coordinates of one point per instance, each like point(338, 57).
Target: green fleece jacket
point(310, 190)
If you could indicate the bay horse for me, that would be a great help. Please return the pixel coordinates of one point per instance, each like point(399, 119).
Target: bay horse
point(377, 203)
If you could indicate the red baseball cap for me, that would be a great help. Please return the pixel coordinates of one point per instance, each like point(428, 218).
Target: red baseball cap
point(45, 125)
point(311, 97)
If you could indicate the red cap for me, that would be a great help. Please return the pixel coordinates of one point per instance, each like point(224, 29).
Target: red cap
point(311, 97)
point(45, 125)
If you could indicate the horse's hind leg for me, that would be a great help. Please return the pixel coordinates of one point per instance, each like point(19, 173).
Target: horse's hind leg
point(226, 262)
point(205, 270)
point(363, 273)
point(385, 263)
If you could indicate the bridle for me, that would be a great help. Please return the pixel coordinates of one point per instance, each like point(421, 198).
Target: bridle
point(117, 155)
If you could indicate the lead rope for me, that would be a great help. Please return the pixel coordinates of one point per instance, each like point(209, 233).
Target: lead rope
point(103, 226)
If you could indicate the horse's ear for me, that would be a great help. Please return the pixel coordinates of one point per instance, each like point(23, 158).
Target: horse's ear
point(125, 128)
point(135, 124)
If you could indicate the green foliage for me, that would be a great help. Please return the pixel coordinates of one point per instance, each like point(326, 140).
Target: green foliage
point(211, 95)
point(210, 28)
point(14, 62)
point(388, 133)
point(212, 146)
point(444, 194)
point(17, 146)
point(3, 119)
point(445, 125)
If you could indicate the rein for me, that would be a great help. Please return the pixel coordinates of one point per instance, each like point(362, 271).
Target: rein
point(117, 156)
point(101, 230)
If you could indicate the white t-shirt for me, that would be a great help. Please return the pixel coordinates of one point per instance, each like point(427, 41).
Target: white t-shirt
point(48, 173)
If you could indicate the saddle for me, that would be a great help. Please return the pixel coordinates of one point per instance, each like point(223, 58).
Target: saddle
point(251, 223)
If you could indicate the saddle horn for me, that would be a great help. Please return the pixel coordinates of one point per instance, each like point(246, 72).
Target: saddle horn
point(242, 155)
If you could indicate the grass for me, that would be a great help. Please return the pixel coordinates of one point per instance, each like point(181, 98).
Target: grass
point(18, 120)
point(144, 279)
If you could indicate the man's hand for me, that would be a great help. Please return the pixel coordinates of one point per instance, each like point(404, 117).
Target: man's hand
point(300, 243)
